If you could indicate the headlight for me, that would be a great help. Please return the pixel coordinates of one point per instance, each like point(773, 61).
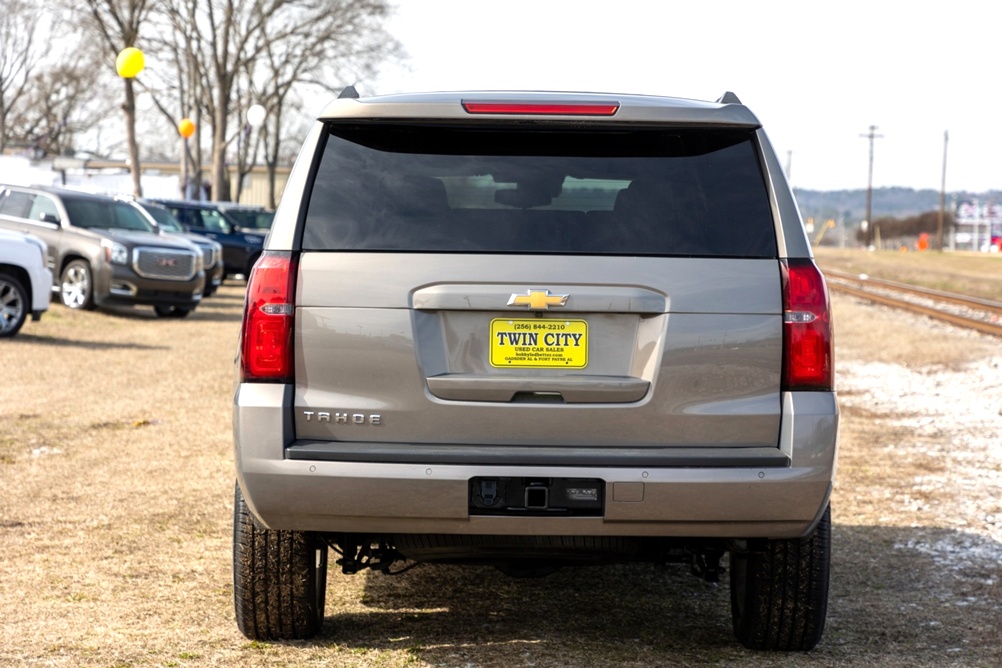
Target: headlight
point(115, 252)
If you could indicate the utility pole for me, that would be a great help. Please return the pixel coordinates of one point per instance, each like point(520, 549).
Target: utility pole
point(942, 191)
point(789, 166)
point(869, 186)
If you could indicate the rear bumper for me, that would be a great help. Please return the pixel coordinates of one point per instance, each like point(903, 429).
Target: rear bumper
point(716, 497)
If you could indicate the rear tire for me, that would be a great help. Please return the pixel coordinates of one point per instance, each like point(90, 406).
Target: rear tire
point(14, 305)
point(76, 286)
point(279, 579)
point(779, 596)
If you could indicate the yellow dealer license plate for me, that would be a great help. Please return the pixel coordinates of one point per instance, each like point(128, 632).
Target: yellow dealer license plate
point(539, 342)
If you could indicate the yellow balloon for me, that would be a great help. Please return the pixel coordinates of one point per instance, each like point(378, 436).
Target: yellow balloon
point(130, 62)
point(186, 128)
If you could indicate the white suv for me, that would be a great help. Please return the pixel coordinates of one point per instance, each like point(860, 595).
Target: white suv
point(24, 280)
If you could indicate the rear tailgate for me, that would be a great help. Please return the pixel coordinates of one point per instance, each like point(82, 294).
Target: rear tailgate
point(436, 349)
point(567, 285)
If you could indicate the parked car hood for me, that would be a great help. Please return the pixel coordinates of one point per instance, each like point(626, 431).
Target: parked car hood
point(143, 238)
point(199, 239)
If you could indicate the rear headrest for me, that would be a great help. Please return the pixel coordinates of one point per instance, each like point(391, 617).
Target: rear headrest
point(417, 194)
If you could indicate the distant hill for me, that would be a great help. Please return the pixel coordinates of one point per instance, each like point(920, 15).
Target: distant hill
point(849, 206)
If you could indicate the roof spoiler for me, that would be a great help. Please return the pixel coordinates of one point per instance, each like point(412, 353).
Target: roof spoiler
point(728, 98)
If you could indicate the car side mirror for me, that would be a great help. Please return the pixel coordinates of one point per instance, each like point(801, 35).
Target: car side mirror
point(49, 218)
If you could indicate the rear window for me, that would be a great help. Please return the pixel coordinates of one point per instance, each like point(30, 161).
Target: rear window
point(540, 189)
point(249, 218)
point(16, 204)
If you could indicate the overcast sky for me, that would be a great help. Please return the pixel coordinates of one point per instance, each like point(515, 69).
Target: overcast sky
point(817, 75)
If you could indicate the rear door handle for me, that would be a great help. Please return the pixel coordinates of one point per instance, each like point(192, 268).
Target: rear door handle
point(571, 389)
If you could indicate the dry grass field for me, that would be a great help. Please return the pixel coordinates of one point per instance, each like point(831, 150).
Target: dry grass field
point(116, 482)
point(976, 274)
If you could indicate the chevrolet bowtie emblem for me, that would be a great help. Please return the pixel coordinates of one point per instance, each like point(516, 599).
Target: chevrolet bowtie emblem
point(538, 300)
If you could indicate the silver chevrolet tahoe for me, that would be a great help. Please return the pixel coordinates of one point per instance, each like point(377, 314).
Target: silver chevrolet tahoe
point(534, 330)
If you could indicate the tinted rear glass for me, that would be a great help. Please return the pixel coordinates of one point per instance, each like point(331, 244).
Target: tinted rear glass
point(258, 220)
point(105, 213)
point(163, 217)
point(16, 204)
point(540, 189)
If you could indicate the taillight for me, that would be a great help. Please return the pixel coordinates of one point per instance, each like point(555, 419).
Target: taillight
point(543, 108)
point(808, 343)
point(269, 312)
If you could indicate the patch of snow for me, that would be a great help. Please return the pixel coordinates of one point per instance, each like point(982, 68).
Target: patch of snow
point(956, 418)
point(45, 451)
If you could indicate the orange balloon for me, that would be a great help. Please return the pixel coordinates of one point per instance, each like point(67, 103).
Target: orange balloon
point(186, 128)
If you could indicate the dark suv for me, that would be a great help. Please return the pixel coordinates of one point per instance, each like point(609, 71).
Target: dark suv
point(535, 330)
point(250, 218)
point(212, 251)
point(105, 252)
point(241, 248)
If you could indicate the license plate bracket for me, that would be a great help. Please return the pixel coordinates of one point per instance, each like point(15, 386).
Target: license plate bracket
point(546, 343)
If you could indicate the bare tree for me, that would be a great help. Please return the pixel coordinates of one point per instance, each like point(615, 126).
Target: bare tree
point(248, 140)
point(223, 37)
point(228, 38)
point(176, 48)
point(118, 23)
point(60, 104)
point(330, 43)
point(209, 61)
point(18, 57)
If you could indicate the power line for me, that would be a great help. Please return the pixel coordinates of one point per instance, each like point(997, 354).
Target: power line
point(942, 192)
point(869, 186)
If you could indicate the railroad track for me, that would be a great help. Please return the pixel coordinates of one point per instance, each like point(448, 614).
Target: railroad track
point(983, 315)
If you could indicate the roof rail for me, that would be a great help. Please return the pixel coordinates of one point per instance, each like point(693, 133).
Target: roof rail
point(349, 92)
point(728, 98)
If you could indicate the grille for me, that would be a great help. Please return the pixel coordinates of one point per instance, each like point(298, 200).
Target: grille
point(208, 256)
point(164, 263)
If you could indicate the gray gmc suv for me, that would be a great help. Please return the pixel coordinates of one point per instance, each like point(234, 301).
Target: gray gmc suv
point(532, 330)
point(105, 252)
